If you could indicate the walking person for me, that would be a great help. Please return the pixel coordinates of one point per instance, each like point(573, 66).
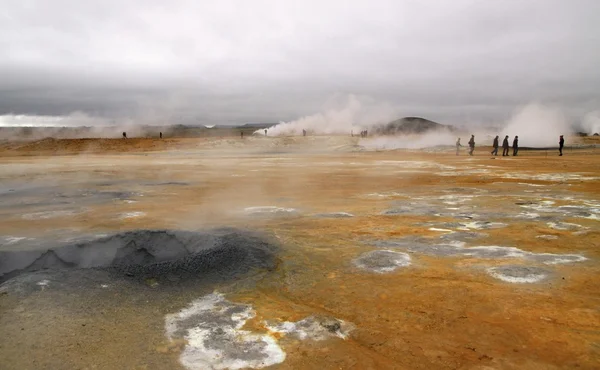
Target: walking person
point(458, 145)
point(472, 145)
point(495, 145)
point(561, 144)
point(505, 147)
point(515, 146)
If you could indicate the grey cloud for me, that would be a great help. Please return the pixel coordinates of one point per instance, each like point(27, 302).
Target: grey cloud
point(232, 61)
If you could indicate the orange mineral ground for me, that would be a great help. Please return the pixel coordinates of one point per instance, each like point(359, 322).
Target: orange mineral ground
point(358, 259)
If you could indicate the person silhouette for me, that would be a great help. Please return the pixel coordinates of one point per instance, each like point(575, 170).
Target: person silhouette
point(495, 146)
point(561, 144)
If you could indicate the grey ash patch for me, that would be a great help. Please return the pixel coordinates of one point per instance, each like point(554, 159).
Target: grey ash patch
point(334, 215)
point(519, 274)
point(432, 247)
point(564, 226)
point(315, 328)
point(271, 212)
point(382, 261)
point(413, 208)
point(460, 236)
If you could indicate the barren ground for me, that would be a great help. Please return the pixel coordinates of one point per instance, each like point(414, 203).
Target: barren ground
point(439, 312)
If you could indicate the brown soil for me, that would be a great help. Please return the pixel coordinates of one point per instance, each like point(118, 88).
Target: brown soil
point(439, 313)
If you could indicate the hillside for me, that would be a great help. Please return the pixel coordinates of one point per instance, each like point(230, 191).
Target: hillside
point(409, 125)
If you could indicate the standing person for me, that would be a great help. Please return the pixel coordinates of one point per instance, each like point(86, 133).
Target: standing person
point(505, 147)
point(458, 145)
point(561, 144)
point(303, 132)
point(160, 134)
point(495, 145)
point(265, 132)
point(472, 145)
point(242, 134)
point(124, 135)
point(515, 146)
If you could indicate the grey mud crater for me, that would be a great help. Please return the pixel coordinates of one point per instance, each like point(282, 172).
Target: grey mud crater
point(163, 255)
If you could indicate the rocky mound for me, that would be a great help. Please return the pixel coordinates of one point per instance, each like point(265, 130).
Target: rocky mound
point(144, 254)
point(409, 125)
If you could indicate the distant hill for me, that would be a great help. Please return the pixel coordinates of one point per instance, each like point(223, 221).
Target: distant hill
point(410, 125)
point(257, 125)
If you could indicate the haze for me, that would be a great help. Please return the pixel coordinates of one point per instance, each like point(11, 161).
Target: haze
point(230, 62)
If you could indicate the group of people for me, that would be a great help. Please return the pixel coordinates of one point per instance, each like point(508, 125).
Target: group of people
point(505, 146)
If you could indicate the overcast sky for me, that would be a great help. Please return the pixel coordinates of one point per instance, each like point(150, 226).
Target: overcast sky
point(258, 60)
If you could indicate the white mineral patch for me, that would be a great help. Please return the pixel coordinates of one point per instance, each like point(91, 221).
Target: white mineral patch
point(528, 184)
point(453, 200)
point(313, 328)
point(441, 230)
point(547, 237)
point(49, 214)
point(43, 282)
point(528, 215)
point(212, 326)
point(517, 276)
point(563, 226)
point(549, 176)
point(336, 214)
point(481, 225)
point(390, 194)
point(132, 215)
point(494, 251)
point(465, 171)
point(557, 259)
point(414, 164)
point(8, 240)
point(268, 209)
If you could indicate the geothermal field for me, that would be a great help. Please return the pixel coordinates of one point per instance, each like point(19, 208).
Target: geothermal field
point(316, 252)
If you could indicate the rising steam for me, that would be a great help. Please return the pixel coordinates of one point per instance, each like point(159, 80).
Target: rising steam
point(341, 116)
point(537, 126)
point(591, 123)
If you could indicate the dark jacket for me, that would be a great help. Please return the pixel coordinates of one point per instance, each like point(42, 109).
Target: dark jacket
point(472, 142)
point(515, 143)
point(495, 143)
point(561, 142)
point(505, 143)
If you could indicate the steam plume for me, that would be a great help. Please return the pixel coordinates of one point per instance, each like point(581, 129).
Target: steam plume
point(341, 115)
point(591, 122)
point(537, 126)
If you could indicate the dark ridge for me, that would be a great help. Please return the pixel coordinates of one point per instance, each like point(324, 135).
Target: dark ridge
point(144, 254)
point(409, 125)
